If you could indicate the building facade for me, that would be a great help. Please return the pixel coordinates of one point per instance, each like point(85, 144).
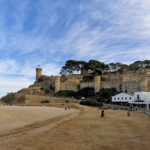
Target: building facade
point(123, 97)
point(138, 98)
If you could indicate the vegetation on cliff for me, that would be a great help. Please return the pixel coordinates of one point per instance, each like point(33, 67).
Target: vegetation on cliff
point(90, 97)
point(9, 98)
point(97, 67)
point(104, 95)
point(91, 103)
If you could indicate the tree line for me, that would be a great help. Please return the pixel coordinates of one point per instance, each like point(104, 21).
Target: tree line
point(97, 67)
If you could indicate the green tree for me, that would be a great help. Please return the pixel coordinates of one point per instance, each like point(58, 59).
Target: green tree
point(65, 93)
point(105, 94)
point(9, 98)
point(117, 67)
point(139, 64)
point(93, 103)
point(85, 92)
point(97, 67)
point(72, 66)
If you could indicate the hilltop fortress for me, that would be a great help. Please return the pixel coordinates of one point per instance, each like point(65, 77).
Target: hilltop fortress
point(128, 81)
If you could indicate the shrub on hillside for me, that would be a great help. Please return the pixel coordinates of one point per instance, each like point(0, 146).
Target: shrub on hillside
point(105, 94)
point(51, 88)
point(40, 79)
point(21, 98)
point(85, 92)
point(9, 98)
point(65, 93)
point(42, 88)
point(45, 101)
point(47, 90)
point(91, 103)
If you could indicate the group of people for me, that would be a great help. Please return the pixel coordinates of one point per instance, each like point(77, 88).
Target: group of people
point(67, 108)
point(102, 113)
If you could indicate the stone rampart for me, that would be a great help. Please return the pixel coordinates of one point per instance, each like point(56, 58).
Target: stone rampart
point(68, 86)
point(36, 99)
point(86, 84)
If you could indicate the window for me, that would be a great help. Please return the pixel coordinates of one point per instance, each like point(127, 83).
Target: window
point(138, 97)
point(125, 98)
point(114, 98)
point(118, 98)
point(122, 98)
point(130, 98)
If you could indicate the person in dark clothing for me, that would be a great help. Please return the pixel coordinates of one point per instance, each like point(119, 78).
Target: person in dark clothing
point(128, 114)
point(102, 113)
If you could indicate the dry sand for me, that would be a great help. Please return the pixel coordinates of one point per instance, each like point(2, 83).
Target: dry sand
point(12, 117)
point(82, 131)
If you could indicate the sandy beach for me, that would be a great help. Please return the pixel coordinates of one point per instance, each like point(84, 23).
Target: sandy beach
point(13, 117)
point(74, 130)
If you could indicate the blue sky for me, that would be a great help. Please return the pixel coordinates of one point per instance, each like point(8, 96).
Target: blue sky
point(49, 32)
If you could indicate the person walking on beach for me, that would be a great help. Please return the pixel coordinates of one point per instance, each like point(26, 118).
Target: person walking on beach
point(102, 113)
point(128, 114)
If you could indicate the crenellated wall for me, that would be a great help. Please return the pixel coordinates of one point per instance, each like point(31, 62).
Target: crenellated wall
point(128, 81)
point(37, 99)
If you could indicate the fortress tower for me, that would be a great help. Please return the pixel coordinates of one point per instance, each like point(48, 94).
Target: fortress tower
point(57, 84)
point(144, 84)
point(97, 82)
point(38, 73)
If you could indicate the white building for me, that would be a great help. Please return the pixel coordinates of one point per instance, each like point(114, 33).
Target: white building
point(142, 98)
point(145, 96)
point(123, 97)
point(139, 98)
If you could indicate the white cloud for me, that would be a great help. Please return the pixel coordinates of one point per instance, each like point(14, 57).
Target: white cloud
point(126, 31)
point(51, 69)
point(8, 85)
point(105, 30)
point(8, 67)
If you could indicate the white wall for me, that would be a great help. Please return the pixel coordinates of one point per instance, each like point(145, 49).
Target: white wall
point(122, 97)
point(145, 96)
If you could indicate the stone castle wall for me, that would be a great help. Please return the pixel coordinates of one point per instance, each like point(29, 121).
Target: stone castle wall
point(127, 82)
point(86, 84)
point(68, 86)
point(36, 99)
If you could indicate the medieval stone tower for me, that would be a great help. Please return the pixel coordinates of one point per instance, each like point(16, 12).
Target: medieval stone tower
point(97, 83)
point(38, 73)
point(57, 84)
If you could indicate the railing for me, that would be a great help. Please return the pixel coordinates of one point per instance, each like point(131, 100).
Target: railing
point(147, 112)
